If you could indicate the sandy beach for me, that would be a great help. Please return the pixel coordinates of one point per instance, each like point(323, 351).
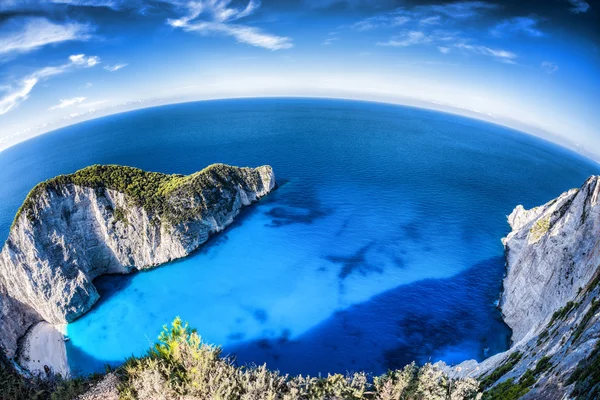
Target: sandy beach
point(44, 346)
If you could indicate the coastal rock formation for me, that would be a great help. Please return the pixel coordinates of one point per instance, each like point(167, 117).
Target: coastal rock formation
point(109, 219)
point(551, 299)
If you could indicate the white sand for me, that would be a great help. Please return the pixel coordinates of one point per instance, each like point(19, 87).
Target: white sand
point(45, 345)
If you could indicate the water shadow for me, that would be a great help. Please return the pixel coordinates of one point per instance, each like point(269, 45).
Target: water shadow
point(454, 319)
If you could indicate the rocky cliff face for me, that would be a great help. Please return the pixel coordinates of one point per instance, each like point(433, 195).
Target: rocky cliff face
point(69, 233)
point(551, 297)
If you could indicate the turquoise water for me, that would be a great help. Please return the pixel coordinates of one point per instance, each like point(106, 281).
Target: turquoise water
point(381, 246)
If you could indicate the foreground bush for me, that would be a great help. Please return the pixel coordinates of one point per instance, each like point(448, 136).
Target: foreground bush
point(180, 366)
point(15, 385)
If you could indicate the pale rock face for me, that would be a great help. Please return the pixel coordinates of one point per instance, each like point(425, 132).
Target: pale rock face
point(553, 258)
point(48, 263)
point(552, 252)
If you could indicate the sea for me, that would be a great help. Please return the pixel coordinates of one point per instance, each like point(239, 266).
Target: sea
point(380, 246)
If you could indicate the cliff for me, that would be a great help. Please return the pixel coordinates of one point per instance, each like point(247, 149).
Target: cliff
point(109, 219)
point(551, 300)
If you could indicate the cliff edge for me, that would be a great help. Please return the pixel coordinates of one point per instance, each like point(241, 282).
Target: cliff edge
point(551, 301)
point(109, 219)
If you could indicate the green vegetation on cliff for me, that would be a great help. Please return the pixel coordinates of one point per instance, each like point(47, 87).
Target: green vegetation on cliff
point(149, 190)
point(586, 377)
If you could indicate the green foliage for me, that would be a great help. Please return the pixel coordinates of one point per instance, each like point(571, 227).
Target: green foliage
point(180, 365)
point(511, 390)
point(15, 386)
point(499, 372)
point(560, 314)
point(540, 228)
point(557, 316)
point(157, 193)
point(120, 215)
point(542, 366)
point(507, 390)
point(586, 319)
point(586, 377)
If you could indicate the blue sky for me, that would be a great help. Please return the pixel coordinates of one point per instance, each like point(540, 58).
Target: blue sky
point(531, 65)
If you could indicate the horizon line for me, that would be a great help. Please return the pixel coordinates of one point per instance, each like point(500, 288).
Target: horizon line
point(515, 125)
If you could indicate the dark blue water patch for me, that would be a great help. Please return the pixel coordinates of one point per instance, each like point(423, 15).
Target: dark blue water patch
point(373, 199)
point(395, 328)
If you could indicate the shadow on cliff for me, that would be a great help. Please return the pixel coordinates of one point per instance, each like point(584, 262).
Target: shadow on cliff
point(453, 319)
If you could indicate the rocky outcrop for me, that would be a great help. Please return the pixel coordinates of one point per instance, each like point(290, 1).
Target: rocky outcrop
point(551, 297)
point(109, 219)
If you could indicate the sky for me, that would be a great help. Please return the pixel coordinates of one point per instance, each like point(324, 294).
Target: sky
point(531, 65)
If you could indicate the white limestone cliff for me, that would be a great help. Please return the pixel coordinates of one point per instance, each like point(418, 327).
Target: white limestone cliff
point(71, 234)
point(551, 293)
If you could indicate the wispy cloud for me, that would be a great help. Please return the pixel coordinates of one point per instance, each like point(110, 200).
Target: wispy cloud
point(407, 38)
point(16, 96)
point(64, 103)
point(333, 37)
point(390, 20)
point(518, 25)
point(19, 91)
point(217, 17)
point(458, 10)
point(113, 4)
point(504, 56)
point(549, 67)
point(434, 20)
point(579, 6)
point(114, 68)
point(23, 35)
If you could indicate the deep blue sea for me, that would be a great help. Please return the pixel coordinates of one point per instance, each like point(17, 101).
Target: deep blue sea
point(381, 246)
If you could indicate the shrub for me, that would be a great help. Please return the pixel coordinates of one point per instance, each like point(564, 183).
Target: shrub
point(181, 366)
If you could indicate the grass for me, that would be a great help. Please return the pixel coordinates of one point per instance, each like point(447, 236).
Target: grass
point(155, 192)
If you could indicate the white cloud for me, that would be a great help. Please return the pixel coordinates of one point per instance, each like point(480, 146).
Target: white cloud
point(549, 67)
point(389, 20)
point(408, 38)
point(114, 4)
point(518, 25)
point(216, 17)
point(64, 103)
point(435, 20)
point(499, 54)
point(83, 61)
point(114, 68)
point(444, 50)
point(19, 95)
point(459, 10)
point(24, 35)
point(19, 91)
point(579, 6)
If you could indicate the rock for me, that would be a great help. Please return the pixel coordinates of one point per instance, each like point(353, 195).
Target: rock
point(106, 389)
point(551, 254)
point(550, 292)
point(75, 228)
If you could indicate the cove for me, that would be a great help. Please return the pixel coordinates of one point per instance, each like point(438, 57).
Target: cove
point(381, 245)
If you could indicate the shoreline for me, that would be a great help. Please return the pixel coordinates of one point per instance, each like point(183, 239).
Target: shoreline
point(44, 346)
